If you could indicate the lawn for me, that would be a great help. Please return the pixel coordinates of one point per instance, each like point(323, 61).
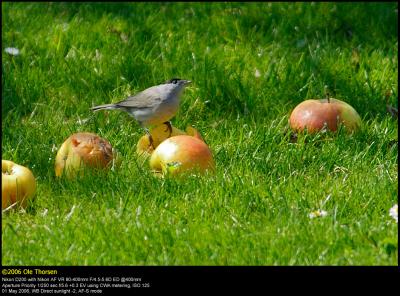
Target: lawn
point(250, 64)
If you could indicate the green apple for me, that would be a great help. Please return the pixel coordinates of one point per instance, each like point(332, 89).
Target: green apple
point(18, 184)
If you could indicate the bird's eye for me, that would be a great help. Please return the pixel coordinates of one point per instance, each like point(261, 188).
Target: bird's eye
point(174, 80)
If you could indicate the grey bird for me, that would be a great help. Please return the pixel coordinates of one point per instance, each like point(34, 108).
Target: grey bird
point(153, 106)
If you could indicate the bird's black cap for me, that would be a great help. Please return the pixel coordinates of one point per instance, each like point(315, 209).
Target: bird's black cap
point(174, 80)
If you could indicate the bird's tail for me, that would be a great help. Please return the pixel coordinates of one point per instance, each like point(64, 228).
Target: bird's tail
point(104, 107)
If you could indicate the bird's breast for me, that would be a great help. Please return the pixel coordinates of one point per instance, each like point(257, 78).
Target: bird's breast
point(162, 112)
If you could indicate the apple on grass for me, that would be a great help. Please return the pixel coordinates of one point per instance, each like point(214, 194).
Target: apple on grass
point(18, 185)
point(159, 134)
point(82, 150)
point(182, 154)
point(317, 115)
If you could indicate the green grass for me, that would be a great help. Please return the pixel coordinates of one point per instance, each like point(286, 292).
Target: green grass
point(254, 210)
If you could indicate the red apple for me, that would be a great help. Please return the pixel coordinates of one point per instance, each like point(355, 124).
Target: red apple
point(182, 154)
point(315, 115)
point(18, 184)
point(83, 150)
point(159, 134)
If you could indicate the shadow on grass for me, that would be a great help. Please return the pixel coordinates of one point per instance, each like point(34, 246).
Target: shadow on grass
point(372, 24)
point(367, 23)
point(347, 24)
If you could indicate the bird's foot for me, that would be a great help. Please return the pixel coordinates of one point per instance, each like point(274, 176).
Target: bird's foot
point(169, 127)
point(151, 141)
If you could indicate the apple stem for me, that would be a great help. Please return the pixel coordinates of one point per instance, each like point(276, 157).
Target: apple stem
point(327, 94)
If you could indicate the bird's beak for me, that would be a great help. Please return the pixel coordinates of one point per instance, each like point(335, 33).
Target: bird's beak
point(187, 82)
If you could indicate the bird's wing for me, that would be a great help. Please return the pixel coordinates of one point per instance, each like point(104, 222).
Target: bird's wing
point(148, 98)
